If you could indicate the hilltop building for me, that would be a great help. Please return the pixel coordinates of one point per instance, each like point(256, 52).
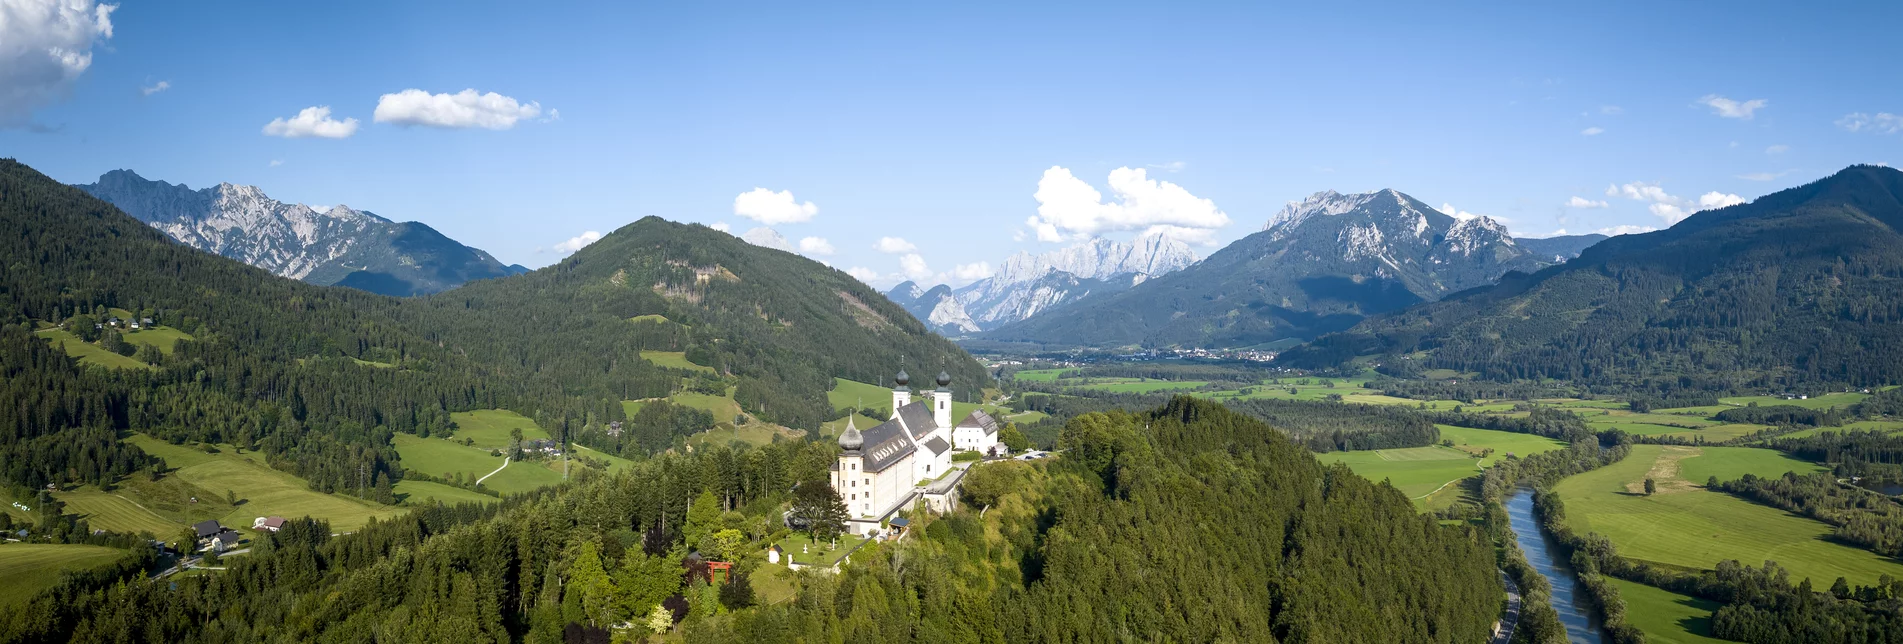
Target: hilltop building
point(907, 458)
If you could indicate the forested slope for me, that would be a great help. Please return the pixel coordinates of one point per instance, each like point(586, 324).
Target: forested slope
point(1186, 523)
point(1801, 286)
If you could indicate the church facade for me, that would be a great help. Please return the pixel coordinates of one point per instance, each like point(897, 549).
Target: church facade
point(908, 457)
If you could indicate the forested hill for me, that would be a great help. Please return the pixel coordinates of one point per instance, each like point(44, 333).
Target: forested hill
point(318, 379)
point(784, 325)
point(1804, 286)
point(1190, 523)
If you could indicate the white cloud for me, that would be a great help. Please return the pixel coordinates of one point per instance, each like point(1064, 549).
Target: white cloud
point(1732, 109)
point(914, 267)
point(816, 246)
point(1069, 207)
point(1611, 110)
point(45, 45)
point(770, 208)
point(1777, 149)
point(311, 121)
point(464, 109)
point(1714, 199)
point(721, 226)
point(155, 88)
point(577, 242)
point(1582, 202)
point(1880, 123)
point(277, 162)
point(1197, 236)
point(1625, 229)
point(767, 237)
point(1449, 210)
point(1173, 166)
point(863, 274)
point(1666, 206)
point(1592, 131)
point(972, 272)
point(894, 245)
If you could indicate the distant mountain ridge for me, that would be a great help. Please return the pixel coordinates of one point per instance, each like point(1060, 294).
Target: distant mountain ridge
point(1319, 265)
point(338, 246)
point(1799, 286)
point(936, 307)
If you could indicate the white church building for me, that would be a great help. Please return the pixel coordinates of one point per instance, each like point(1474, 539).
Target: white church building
point(886, 468)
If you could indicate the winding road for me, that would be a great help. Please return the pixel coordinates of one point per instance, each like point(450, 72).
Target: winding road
point(1512, 617)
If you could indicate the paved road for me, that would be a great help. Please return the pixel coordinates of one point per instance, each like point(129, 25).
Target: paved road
point(485, 477)
point(1512, 618)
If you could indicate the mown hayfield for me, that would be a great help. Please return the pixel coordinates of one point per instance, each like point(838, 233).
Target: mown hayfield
point(29, 568)
point(88, 353)
point(426, 492)
point(832, 428)
point(1419, 472)
point(673, 360)
point(263, 491)
point(438, 457)
point(1686, 525)
point(1502, 443)
point(1667, 617)
point(1719, 433)
point(164, 337)
point(615, 463)
point(114, 511)
point(631, 407)
point(1024, 417)
point(1728, 463)
point(1885, 426)
point(490, 427)
point(755, 434)
point(136, 500)
point(723, 408)
point(1039, 375)
point(852, 393)
point(525, 476)
point(1825, 401)
point(1681, 420)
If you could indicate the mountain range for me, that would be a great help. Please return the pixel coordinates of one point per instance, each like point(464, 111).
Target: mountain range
point(1319, 265)
point(338, 246)
point(1800, 286)
point(1027, 285)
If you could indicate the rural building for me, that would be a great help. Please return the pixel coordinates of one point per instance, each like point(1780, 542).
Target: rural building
point(268, 524)
point(904, 459)
point(978, 432)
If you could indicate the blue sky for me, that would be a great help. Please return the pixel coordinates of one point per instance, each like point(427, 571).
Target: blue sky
point(935, 123)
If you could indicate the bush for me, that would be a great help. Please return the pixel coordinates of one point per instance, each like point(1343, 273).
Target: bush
point(967, 457)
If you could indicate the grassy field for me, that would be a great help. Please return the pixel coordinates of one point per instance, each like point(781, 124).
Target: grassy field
point(1025, 417)
point(424, 492)
point(524, 476)
point(1427, 474)
point(1136, 386)
point(615, 463)
point(833, 427)
point(1039, 375)
point(264, 491)
point(89, 353)
point(164, 337)
point(852, 393)
point(673, 360)
point(631, 407)
point(774, 583)
point(1685, 525)
point(806, 551)
point(1729, 463)
point(723, 408)
point(651, 317)
point(438, 457)
point(32, 567)
point(138, 503)
point(1717, 433)
point(117, 511)
point(1667, 617)
point(490, 427)
point(1825, 401)
point(755, 434)
point(1885, 426)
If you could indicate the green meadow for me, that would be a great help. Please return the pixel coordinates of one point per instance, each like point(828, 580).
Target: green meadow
point(1685, 525)
point(1825, 401)
point(262, 490)
point(1667, 617)
point(425, 492)
point(1427, 474)
point(438, 457)
point(673, 360)
point(1039, 375)
point(88, 353)
point(490, 427)
point(32, 567)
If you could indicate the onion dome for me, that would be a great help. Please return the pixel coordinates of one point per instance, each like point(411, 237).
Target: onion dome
point(944, 379)
point(851, 440)
point(902, 379)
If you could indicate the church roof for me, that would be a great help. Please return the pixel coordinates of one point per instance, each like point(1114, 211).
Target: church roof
point(918, 418)
point(885, 445)
point(937, 445)
point(980, 420)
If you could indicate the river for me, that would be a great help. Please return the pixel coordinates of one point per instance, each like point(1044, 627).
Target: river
point(1582, 624)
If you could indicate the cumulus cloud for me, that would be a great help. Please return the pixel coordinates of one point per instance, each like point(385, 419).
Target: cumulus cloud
point(577, 242)
point(1732, 109)
point(863, 274)
point(1611, 110)
point(1880, 123)
point(1173, 166)
point(1449, 210)
point(1197, 236)
point(767, 237)
point(913, 266)
point(771, 208)
point(1625, 229)
point(1068, 207)
point(311, 121)
point(894, 245)
point(45, 46)
point(464, 109)
point(971, 272)
point(1592, 131)
point(155, 88)
point(277, 162)
point(1666, 206)
point(1582, 202)
point(1777, 149)
point(816, 246)
point(721, 226)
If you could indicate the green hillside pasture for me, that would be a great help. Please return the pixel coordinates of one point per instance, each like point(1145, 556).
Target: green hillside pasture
point(1025, 417)
point(832, 428)
point(489, 428)
point(1678, 420)
point(673, 360)
point(1415, 471)
point(1667, 617)
point(113, 511)
point(1502, 443)
point(426, 492)
point(631, 407)
point(1575, 403)
point(755, 434)
point(438, 457)
point(1145, 386)
point(651, 317)
point(852, 393)
point(1885, 426)
point(164, 337)
point(1039, 375)
point(1719, 433)
point(1814, 402)
point(32, 567)
point(524, 476)
point(1729, 463)
point(1705, 411)
point(133, 505)
point(1685, 525)
point(89, 353)
point(615, 463)
point(265, 491)
point(723, 408)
